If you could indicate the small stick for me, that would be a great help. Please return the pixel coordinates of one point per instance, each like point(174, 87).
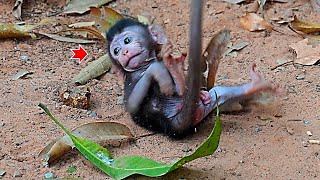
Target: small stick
point(285, 63)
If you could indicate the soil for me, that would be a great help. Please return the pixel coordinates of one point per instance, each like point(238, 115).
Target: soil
point(267, 142)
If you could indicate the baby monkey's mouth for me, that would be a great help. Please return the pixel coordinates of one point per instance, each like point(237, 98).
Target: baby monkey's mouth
point(134, 58)
point(132, 67)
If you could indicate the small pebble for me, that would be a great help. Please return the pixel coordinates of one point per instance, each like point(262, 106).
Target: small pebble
point(24, 58)
point(306, 122)
point(2, 172)
point(167, 21)
point(17, 173)
point(114, 5)
point(304, 144)
point(290, 130)
point(93, 114)
point(300, 77)
point(48, 175)
point(120, 100)
point(258, 129)
point(314, 141)
point(309, 133)
point(281, 61)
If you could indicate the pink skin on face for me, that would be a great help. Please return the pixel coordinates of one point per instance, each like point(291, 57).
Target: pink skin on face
point(128, 48)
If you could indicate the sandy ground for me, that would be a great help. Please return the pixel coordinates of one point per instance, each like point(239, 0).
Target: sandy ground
point(250, 148)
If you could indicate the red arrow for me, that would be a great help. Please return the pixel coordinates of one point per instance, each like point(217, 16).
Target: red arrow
point(79, 53)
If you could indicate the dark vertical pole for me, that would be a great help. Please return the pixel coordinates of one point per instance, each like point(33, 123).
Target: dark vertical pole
point(195, 50)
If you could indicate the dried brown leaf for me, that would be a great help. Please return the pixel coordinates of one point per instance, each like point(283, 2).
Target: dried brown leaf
point(306, 54)
point(99, 132)
point(20, 31)
point(212, 55)
point(80, 6)
point(304, 26)
point(81, 24)
point(92, 30)
point(67, 39)
point(93, 70)
point(253, 22)
point(236, 47)
point(15, 31)
point(104, 17)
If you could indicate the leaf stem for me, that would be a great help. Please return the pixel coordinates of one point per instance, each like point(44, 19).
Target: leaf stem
point(46, 110)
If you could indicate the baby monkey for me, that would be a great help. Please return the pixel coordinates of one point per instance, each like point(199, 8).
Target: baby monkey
point(155, 88)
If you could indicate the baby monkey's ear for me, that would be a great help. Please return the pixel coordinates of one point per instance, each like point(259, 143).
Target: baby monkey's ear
point(158, 34)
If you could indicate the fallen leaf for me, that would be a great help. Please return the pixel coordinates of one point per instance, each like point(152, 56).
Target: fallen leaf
point(125, 166)
point(88, 29)
point(99, 132)
point(80, 6)
point(306, 54)
point(234, 1)
point(20, 74)
point(81, 24)
point(212, 55)
point(93, 70)
point(20, 31)
point(253, 22)
point(304, 26)
point(104, 17)
point(67, 39)
point(16, 11)
point(15, 31)
point(236, 47)
point(281, 20)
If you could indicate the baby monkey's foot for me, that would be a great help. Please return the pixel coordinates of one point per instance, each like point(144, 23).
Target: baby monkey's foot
point(259, 84)
point(205, 97)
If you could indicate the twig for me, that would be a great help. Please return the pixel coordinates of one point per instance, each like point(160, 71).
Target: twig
point(285, 63)
point(145, 135)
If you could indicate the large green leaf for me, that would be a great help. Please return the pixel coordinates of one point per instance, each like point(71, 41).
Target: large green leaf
point(125, 166)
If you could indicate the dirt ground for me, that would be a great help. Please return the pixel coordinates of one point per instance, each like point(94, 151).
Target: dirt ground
point(251, 147)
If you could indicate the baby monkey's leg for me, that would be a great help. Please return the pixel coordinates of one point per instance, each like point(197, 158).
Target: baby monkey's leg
point(227, 93)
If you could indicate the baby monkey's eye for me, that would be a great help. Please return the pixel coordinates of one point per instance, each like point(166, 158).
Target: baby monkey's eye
point(127, 40)
point(116, 51)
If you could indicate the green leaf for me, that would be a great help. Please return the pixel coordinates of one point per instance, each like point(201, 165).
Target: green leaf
point(125, 166)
